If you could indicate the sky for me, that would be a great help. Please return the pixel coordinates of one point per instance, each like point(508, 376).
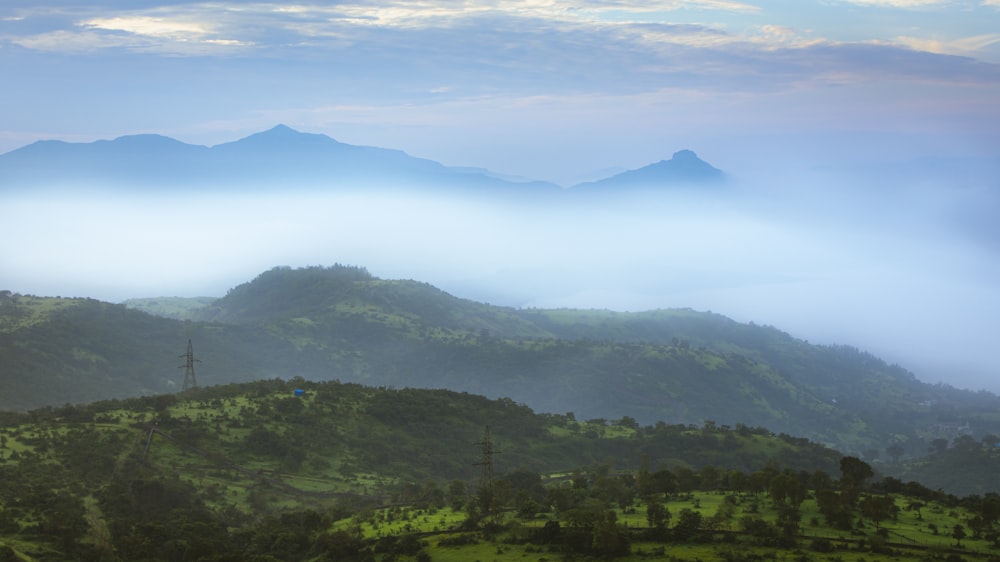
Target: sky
point(813, 107)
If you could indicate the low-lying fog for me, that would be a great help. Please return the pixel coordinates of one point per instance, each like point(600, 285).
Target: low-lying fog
point(912, 277)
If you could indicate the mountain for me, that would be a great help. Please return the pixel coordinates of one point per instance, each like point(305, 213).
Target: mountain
point(277, 158)
point(283, 158)
point(325, 323)
point(683, 168)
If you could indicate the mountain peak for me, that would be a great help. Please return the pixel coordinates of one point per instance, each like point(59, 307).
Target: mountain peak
point(281, 129)
point(686, 163)
point(281, 137)
point(684, 167)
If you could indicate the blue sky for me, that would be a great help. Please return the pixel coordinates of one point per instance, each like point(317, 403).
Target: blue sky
point(499, 83)
point(811, 104)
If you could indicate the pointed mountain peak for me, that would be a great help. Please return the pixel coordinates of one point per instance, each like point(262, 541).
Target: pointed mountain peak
point(281, 129)
point(684, 167)
point(281, 137)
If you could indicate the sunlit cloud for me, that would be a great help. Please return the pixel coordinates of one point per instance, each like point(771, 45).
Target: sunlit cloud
point(424, 14)
point(145, 25)
point(777, 36)
point(175, 34)
point(74, 41)
point(492, 29)
point(966, 46)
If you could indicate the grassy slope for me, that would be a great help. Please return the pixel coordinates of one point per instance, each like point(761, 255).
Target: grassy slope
point(242, 453)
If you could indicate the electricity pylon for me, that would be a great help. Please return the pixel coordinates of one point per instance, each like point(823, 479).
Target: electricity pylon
point(486, 482)
point(188, 366)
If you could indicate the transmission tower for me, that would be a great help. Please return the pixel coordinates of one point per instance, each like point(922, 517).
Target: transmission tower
point(486, 483)
point(188, 366)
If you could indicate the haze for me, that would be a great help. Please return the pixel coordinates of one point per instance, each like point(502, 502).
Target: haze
point(862, 136)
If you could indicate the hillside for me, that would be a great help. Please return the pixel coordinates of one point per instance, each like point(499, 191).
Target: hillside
point(299, 470)
point(325, 323)
point(135, 477)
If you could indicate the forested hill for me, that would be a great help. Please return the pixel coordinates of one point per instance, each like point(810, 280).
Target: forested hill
point(255, 471)
point(325, 323)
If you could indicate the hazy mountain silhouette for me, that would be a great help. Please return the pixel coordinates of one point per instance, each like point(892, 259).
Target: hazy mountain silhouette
point(683, 168)
point(278, 157)
point(282, 157)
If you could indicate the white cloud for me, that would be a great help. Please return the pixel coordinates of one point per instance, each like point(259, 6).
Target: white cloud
point(901, 3)
point(965, 46)
point(146, 25)
point(508, 25)
point(422, 14)
point(73, 41)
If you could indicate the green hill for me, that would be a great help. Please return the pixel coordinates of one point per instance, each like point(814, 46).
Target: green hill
point(326, 323)
point(300, 470)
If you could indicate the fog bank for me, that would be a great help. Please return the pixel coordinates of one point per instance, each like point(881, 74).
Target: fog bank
point(902, 274)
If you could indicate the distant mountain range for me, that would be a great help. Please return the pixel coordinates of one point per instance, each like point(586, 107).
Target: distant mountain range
point(280, 157)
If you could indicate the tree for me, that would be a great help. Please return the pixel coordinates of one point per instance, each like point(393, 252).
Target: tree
point(607, 539)
point(595, 529)
point(688, 524)
point(709, 476)
point(643, 479)
point(788, 521)
point(664, 482)
point(853, 473)
point(958, 533)
point(832, 508)
point(820, 480)
point(737, 480)
point(629, 422)
point(762, 532)
point(989, 509)
point(657, 515)
point(916, 505)
point(687, 480)
point(787, 487)
point(877, 508)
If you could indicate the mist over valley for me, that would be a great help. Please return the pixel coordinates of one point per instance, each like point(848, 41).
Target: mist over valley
point(894, 259)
